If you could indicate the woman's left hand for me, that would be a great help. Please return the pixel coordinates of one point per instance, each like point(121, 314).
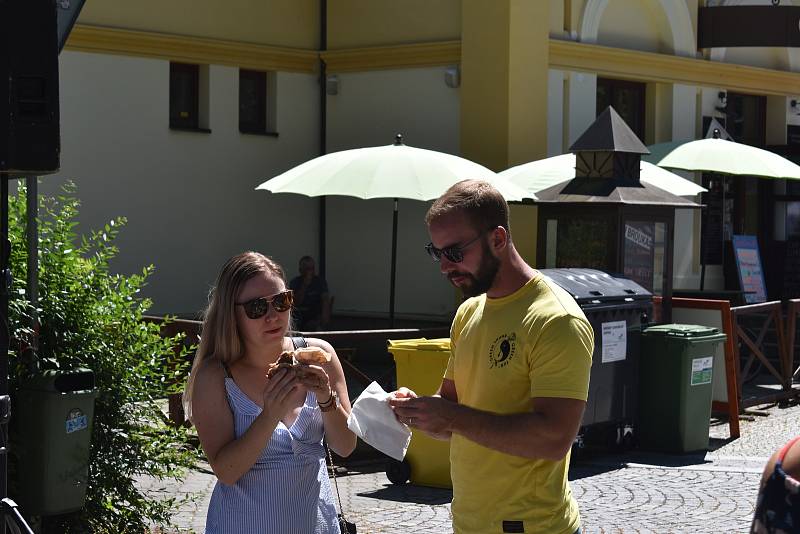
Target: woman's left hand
point(315, 379)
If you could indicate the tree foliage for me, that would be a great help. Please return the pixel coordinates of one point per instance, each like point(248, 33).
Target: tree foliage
point(92, 317)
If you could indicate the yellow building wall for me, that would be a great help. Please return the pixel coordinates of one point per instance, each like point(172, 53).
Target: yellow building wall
point(504, 62)
point(359, 23)
point(524, 219)
point(285, 23)
point(636, 24)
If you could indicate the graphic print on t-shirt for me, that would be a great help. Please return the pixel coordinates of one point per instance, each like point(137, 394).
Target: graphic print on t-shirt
point(502, 350)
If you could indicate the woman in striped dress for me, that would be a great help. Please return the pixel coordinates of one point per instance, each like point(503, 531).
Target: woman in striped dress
point(263, 437)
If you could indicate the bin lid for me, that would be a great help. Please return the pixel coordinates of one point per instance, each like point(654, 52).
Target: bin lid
point(589, 286)
point(681, 330)
point(60, 381)
point(422, 343)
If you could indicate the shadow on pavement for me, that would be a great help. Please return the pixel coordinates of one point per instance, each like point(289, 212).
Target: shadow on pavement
point(590, 465)
point(410, 493)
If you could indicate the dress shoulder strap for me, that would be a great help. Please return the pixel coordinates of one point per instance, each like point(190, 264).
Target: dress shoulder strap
point(225, 369)
point(785, 449)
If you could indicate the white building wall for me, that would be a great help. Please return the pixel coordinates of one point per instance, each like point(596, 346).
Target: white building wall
point(189, 197)
point(369, 109)
point(687, 222)
point(582, 89)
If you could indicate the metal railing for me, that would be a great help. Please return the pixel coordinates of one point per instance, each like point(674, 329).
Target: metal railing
point(344, 340)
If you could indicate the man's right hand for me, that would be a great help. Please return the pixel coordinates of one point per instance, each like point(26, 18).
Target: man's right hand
point(423, 413)
point(400, 393)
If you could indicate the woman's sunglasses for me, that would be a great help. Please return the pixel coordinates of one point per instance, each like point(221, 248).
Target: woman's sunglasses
point(257, 308)
point(455, 253)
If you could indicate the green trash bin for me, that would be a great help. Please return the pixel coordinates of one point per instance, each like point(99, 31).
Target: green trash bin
point(52, 417)
point(675, 386)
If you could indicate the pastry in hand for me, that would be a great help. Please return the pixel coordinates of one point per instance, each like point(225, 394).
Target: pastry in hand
point(296, 360)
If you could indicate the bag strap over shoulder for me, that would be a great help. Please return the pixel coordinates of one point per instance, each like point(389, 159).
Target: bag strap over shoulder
point(345, 526)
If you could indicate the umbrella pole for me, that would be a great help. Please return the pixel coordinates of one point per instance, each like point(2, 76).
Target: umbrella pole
point(394, 266)
point(703, 245)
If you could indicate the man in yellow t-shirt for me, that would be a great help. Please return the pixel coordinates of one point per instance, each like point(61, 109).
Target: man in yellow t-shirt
point(512, 399)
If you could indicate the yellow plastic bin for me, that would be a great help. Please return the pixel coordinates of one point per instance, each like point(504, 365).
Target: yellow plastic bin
point(420, 365)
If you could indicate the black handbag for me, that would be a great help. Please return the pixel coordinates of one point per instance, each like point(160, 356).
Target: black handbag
point(346, 526)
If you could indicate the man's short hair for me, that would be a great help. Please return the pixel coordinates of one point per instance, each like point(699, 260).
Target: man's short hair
point(483, 205)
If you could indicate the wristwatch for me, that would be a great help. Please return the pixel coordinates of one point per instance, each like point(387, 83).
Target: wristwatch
point(331, 404)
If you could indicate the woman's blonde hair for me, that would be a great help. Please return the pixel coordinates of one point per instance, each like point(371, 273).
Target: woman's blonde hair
point(219, 336)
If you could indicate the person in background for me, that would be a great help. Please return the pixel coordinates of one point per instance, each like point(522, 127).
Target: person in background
point(513, 395)
point(778, 504)
point(311, 298)
point(263, 437)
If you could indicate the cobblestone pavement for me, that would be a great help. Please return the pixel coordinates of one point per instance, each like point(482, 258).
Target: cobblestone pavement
point(636, 492)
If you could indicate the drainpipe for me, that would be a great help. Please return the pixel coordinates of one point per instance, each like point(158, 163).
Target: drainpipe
point(323, 125)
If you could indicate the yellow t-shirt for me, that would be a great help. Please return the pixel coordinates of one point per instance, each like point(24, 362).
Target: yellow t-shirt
point(535, 342)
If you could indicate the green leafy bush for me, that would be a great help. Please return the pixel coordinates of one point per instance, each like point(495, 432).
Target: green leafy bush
point(91, 317)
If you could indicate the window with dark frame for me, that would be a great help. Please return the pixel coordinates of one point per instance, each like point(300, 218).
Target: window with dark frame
point(184, 89)
point(252, 101)
point(627, 98)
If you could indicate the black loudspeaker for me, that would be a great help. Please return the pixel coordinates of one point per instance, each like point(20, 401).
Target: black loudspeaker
point(30, 142)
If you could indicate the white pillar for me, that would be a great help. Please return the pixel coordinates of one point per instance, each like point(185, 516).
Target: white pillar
point(555, 113)
point(686, 261)
point(582, 107)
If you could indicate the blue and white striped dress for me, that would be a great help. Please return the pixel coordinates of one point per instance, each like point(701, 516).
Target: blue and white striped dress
point(287, 490)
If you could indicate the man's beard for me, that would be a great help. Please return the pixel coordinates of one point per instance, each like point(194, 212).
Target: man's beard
point(481, 281)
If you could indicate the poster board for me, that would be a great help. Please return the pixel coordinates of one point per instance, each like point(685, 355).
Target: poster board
point(748, 265)
point(725, 384)
point(640, 252)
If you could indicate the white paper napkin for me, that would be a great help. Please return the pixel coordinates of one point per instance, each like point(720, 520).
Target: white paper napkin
point(373, 420)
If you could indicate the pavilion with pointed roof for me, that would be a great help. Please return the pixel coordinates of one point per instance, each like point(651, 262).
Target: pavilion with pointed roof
point(605, 217)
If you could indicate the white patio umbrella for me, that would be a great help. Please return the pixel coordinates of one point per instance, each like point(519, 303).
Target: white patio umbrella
point(659, 150)
point(729, 157)
point(544, 173)
point(392, 171)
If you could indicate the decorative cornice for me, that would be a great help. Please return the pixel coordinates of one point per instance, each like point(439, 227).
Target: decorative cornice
point(393, 57)
point(564, 55)
point(647, 66)
point(190, 49)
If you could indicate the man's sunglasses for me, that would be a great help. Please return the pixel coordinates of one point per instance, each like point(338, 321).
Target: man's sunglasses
point(455, 253)
point(257, 308)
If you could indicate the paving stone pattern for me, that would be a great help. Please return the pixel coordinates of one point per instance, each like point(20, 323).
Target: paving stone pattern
point(636, 492)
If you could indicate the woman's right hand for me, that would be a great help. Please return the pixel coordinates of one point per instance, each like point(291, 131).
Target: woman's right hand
point(282, 393)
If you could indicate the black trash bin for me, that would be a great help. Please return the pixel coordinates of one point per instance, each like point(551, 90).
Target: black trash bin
point(616, 309)
point(52, 417)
